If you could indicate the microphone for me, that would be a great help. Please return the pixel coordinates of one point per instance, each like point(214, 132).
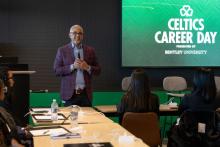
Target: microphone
point(78, 55)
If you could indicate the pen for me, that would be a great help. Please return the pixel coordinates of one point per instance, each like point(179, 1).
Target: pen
point(65, 119)
point(41, 111)
point(45, 132)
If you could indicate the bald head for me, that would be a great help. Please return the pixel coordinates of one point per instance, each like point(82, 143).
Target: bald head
point(74, 27)
point(76, 34)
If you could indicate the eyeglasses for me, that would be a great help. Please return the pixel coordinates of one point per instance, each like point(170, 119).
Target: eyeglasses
point(76, 33)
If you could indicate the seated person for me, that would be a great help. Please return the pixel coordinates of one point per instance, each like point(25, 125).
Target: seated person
point(203, 96)
point(8, 130)
point(138, 98)
point(7, 77)
point(196, 126)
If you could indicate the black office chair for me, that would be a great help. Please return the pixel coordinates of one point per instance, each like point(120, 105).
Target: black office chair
point(196, 128)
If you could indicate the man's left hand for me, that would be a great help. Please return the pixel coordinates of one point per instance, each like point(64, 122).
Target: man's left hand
point(84, 65)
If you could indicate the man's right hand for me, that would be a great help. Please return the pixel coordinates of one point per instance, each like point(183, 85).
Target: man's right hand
point(77, 63)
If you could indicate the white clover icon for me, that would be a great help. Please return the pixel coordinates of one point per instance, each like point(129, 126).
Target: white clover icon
point(186, 11)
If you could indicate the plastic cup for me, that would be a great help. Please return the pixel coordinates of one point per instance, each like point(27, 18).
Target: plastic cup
point(74, 116)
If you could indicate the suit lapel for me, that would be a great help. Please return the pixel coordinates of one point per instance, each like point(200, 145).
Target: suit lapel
point(71, 52)
point(85, 53)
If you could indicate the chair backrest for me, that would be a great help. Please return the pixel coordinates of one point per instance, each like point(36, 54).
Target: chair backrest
point(196, 128)
point(189, 120)
point(174, 83)
point(144, 126)
point(125, 83)
point(217, 83)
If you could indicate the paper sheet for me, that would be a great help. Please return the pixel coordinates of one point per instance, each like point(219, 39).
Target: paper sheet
point(48, 131)
point(41, 110)
point(47, 117)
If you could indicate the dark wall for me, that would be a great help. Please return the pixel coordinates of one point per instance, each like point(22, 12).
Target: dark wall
point(33, 30)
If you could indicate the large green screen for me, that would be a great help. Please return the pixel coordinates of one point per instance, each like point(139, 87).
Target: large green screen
point(170, 33)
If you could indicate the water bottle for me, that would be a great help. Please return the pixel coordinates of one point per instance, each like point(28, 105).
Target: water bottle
point(54, 110)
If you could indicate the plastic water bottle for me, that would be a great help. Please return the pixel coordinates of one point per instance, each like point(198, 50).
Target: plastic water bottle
point(54, 110)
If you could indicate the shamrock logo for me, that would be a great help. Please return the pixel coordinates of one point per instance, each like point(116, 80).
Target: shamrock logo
point(186, 11)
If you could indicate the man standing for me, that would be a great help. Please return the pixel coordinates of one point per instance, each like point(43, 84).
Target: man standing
point(76, 63)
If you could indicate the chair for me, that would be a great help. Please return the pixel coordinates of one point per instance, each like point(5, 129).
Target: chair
point(174, 85)
point(217, 83)
point(144, 126)
point(196, 128)
point(125, 83)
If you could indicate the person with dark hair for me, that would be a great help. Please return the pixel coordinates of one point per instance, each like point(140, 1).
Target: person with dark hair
point(8, 130)
point(203, 95)
point(198, 124)
point(7, 77)
point(138, 98)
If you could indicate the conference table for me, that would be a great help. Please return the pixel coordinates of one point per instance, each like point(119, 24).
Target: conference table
point(111, 110)
point(93, 127)
point(87, 115)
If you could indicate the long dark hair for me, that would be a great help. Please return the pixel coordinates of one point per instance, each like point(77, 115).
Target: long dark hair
point(137, 97)
point(204, 84)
